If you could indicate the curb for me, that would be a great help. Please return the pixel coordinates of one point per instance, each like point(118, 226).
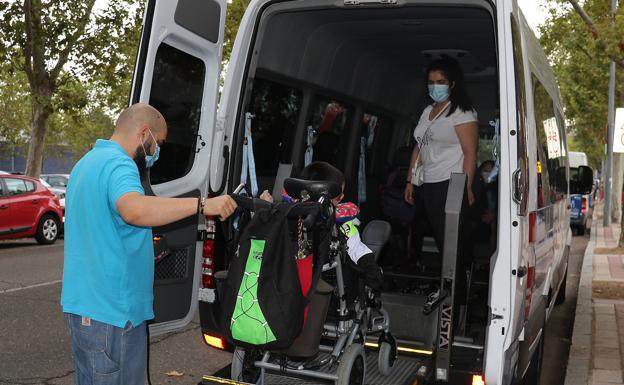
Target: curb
point(577, 372)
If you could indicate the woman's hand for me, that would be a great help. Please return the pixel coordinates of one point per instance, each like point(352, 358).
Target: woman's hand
point(471, 197)
point(408, 193)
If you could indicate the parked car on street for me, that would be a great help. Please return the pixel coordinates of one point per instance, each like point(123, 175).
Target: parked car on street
point(57, 181)
point(28, 209)
point(58, 192)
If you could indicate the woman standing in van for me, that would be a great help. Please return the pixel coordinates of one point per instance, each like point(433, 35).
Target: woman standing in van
point(446, 142)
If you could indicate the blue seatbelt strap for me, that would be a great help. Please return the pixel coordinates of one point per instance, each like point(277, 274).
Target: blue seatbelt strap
point(372, 124)
point(249, 163)
point(362, 172)
point(309, 152)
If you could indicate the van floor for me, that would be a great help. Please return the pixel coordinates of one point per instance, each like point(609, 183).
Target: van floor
point(404, 370)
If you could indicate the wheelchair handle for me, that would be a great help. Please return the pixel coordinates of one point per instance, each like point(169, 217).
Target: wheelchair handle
point(250, 203)
point(309, 210)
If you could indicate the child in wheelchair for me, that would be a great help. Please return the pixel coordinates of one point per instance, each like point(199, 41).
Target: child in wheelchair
point(338, 248)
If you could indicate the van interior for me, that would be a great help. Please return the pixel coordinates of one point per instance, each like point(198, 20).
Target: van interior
point(347, 85)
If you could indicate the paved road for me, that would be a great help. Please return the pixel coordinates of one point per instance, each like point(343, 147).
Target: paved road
point(34, 346)
point(561, 322)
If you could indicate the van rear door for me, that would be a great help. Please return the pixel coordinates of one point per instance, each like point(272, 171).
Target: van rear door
point(178, 71)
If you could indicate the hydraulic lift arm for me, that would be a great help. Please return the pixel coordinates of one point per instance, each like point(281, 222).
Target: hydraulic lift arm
point(453, 207)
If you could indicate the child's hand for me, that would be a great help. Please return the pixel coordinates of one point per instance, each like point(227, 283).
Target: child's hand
point(265, 196)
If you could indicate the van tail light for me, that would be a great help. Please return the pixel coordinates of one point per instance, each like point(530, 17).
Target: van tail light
point(477, 379)
point(529, 292)
point(208, 255)
point(215, 342)
point(532, 224)
point(584, 205)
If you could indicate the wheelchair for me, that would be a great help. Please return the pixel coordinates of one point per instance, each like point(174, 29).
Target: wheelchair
point(331, 345)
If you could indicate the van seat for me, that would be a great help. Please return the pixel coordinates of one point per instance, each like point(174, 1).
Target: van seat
point(375, 235)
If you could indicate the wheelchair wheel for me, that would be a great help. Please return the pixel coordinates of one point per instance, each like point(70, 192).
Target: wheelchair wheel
point(243, 368)
point(352, 367)
point(386, 358)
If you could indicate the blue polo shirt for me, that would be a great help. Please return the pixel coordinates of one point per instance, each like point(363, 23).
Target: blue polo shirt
point(108, 273)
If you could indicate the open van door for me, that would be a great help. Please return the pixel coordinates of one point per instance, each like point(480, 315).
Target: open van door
point(177, 71)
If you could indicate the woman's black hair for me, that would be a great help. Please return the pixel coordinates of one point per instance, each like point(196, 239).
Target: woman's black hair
point(322, 171)
point(452, 72)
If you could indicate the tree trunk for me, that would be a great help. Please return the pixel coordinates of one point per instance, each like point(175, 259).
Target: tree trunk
point(41, 106)
point(616, 189)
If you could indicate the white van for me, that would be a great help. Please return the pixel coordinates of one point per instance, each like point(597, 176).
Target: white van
point(354, 69)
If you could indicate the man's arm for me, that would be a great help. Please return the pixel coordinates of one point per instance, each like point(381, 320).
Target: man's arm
point(150, 211)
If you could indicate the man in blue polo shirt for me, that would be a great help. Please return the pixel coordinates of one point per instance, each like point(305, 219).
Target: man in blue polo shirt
point(108, 271)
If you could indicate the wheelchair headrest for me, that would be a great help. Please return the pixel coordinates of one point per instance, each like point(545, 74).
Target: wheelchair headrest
point(375, 235)
point(311, 189)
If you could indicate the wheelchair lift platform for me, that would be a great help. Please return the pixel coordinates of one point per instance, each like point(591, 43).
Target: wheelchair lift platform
point(405, 369)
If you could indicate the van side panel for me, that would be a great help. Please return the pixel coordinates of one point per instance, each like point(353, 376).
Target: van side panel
point(544, 254)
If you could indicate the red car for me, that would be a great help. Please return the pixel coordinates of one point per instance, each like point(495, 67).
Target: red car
point(28, 209)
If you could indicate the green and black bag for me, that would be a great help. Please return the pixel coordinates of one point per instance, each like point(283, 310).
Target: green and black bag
point(263, 304)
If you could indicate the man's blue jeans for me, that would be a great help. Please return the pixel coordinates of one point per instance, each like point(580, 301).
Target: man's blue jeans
point(105, 354)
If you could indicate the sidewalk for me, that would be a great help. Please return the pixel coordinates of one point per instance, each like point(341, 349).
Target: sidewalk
point(598, 336)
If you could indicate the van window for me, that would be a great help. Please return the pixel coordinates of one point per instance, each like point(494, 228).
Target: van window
point(177, 89)
point(562, 172)
point(550, 143)
point(377, 134)
point(275, 108)
point(330, 119)
point(521, 107)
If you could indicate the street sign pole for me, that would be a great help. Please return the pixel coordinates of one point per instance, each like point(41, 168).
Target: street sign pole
point(608, 179)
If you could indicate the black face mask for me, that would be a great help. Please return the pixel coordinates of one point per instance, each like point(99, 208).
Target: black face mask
point(139, 159)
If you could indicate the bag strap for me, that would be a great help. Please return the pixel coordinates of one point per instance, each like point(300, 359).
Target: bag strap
point(429, 127)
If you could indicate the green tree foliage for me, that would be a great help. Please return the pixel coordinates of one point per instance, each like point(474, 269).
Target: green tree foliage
point(15, 116)
point(235, 12)
point(581, 63)
point(606, 29)
point(77, 65)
